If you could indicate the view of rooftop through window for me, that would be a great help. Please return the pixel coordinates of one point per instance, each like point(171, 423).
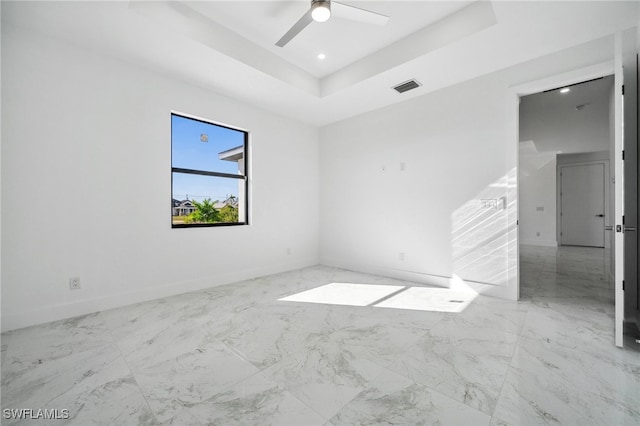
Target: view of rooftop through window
point(208, 166)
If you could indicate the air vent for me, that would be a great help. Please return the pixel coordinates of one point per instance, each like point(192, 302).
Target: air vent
point(406, 86)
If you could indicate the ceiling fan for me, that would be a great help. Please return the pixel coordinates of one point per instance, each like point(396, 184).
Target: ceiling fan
point(321, 11)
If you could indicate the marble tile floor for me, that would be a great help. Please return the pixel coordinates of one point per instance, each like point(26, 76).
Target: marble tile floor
point(235, 355)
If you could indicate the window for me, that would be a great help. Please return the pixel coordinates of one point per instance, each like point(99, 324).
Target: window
point(208, 174)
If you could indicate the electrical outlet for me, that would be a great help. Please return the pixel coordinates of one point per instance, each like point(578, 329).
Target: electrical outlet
point(74, 283)
point(494, 203)
point(491, 203)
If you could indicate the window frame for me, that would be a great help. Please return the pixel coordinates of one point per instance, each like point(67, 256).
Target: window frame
point(244, 176)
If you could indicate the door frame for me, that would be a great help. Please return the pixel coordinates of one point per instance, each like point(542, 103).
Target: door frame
point(627, 45)
point(606, 189)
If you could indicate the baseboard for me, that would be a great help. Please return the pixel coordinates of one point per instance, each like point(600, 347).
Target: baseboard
point(541, 243)
point(16, 320)
point(502, 292)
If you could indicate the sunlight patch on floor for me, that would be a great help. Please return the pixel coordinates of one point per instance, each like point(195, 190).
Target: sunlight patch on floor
point(429, 299)
point(344, 294)
point(387, 296)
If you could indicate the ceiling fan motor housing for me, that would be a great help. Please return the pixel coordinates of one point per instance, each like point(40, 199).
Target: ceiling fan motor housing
point(320, 10)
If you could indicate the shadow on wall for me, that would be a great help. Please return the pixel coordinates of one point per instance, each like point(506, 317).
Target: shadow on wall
point(532, 160)
point(483, 237)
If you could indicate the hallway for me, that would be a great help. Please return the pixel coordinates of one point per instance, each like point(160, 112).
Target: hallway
point(566, 275)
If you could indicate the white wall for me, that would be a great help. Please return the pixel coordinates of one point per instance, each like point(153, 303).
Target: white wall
point(455, 154)
point(537, 197)
point(86, 171)
point(553, 129)
point(459, 146)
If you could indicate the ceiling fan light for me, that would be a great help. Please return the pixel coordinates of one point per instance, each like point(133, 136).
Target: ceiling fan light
point(320, 11)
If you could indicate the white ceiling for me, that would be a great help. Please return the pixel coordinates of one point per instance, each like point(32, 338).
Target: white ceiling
point(585, 105)
point(228, 46)
point(344, 42)
point(588, 94)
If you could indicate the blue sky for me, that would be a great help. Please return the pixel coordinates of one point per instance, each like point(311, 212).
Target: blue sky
point(189, 152)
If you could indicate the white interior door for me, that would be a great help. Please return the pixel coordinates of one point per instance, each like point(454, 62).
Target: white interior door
point(626, 180)
point(582, 205)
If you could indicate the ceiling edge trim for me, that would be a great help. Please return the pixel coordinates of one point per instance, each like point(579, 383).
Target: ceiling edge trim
point(463, 23)
point(192, 24)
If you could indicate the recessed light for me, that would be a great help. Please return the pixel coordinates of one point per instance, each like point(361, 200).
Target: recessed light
point(565, 90)
point(321, 56)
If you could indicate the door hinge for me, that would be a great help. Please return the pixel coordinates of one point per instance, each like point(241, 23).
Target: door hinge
point(560, 213)
point(623, 154)
point(561, 234)
point(623, 219)
point(622, 285)
point(623, 89)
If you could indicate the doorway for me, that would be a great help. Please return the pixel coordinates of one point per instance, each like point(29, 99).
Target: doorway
point(565, 184)
point(566, 193)
point(621, 223)
point(582, 205)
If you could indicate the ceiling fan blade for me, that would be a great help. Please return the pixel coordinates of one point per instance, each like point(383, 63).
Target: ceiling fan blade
point(344, 11)
point(297, 27)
